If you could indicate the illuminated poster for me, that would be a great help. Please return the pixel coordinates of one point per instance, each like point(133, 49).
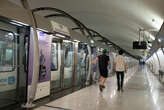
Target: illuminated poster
point(44, 57)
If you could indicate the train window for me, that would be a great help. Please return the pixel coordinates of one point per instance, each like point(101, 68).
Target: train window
point(54, 57)
point(82, 50)
point(68, 54)
point(7, 54)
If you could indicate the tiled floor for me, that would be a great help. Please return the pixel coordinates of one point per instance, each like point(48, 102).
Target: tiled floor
point(142, 91)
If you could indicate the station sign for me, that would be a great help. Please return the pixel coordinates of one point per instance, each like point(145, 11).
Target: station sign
point(60, 30)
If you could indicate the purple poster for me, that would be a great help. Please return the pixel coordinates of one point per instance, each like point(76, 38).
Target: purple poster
point(44, 57)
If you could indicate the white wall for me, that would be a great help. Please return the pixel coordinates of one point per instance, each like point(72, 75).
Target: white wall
point(161, 57)
point(153, 61)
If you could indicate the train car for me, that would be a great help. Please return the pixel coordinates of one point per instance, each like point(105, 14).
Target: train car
point(64, 61)
point(64, 57)
point(14, 42)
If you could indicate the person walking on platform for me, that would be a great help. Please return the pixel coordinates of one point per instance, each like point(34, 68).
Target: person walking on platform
point(103, 61)
point(120, 68)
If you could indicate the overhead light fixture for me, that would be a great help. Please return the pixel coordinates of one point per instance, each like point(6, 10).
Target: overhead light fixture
point(148, 48)
point(92, 41)
point(67, 41)
point(157, 23)
point(59, 35)
point(151, 36)
point(159, 40)
point(109, 43)
point(149, 44)
point(42, 30)
point(18, 23)
point(76, 41)
point(51, 35)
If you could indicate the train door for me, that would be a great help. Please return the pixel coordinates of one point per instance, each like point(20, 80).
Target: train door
point(82, 65)
point(68, 63)
point(13, 63)
point(56, 53)
point(62, 65)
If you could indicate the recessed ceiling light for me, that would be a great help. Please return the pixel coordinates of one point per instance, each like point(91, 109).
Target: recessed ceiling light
point(92, 41)
point(157, 23)
point(159, 40)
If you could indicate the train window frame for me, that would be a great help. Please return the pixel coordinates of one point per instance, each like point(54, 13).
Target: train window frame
point(56, 69)
point(14, 53)
point(69, 65)
point(80, 48)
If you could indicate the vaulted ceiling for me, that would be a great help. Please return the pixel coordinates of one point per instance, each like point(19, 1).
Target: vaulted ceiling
point(117, 20)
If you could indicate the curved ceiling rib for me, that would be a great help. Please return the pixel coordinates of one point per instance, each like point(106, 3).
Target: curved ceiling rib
point(137, 57)
point(62, 15)
point(98, 34)
point(79, 24)
point(116, 20)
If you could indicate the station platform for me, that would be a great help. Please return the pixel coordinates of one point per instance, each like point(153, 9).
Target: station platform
point(142, 91)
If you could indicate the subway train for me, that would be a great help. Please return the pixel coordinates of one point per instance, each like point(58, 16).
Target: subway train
point(64, 58)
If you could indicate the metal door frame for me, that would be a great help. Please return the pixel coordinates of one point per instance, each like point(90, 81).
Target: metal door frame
point(76, 63)
point(59, 42)
point(75, 44)
point(61, 67)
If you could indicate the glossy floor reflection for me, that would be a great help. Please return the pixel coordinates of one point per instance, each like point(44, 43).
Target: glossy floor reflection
point(142, 91)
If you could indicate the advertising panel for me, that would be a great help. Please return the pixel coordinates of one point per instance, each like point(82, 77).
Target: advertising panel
point(45, 64)
point(45, 56)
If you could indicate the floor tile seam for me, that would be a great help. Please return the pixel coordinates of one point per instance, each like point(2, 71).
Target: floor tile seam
point(61, 108)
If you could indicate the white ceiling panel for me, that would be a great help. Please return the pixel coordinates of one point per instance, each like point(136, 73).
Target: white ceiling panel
point(117, 20)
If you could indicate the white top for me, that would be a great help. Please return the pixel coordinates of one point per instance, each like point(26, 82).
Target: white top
point(120, 63)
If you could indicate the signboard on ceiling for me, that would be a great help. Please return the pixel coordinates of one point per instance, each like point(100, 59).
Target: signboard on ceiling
point(139, 45)
point(59, 28)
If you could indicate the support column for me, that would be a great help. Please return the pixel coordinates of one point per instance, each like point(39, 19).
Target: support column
point(89, 68)
point(75, 79)
point(35, 75)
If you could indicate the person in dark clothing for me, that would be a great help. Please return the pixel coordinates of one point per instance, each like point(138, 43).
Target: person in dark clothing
point(103, 61)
